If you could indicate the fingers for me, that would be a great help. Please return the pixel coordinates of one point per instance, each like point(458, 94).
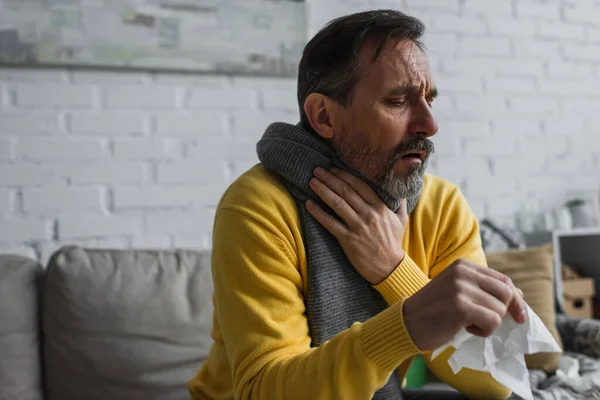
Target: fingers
point(333, 226)
point(500, 290)
point(514, 302)
point(342, 189)
point(360, 186)
point(517, 308)
point(506, 299)
point(496, 285)
point(473, 330)
point(482, 321)
point(492, 273)
point(334, 201)
point(485, 299)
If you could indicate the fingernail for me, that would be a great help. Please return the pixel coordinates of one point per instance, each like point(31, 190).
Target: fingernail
point(334, 170)
point(313, 182)
point(319, 171)
point(523, 316)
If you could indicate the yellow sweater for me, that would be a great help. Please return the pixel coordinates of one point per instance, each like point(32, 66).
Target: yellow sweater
point(261, 337)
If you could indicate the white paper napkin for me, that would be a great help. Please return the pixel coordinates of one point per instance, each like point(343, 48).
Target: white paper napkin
point(501, 354)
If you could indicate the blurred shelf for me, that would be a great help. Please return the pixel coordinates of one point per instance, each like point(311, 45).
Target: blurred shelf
point(578, 248)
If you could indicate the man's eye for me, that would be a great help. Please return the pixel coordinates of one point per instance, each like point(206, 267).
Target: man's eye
point(397, 102)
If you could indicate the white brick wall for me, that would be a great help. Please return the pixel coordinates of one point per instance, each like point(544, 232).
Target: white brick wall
point(191, 171)
point(452, 5)
point(28, 122)
point(6, 149)
point(111, 172)
point(492, 8)
point(155, 148)
point(159, 196)
point(536, 10)
point(161, 223)
point(191, 123)
point(49, 201)
point(224, 98)
point(121, 159)
point(593, 35)
point(24, 229)
point(75, 226)
point(26, 174)
point(6, 201)
point(551, 31)
point(441, 43)
point(485, 45)
point(511, 27)
point(108, 123)
point(53, 95)
point(140, 96)
point(458, 24)
point(50, 149)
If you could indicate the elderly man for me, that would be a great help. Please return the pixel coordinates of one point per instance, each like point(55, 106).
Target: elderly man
point(336, 259)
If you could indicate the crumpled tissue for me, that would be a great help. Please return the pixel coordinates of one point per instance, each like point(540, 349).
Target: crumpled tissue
point(501, 354)
point(568, 373)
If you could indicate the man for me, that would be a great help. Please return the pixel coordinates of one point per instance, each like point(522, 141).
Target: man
point(337, 259)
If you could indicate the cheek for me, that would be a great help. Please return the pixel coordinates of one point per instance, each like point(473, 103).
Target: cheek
point(384, 126)
point(392, 127)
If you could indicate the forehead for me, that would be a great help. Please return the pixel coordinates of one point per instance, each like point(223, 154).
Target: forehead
point(398, 64)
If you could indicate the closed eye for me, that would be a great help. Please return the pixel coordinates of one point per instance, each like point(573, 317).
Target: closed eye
point(397, 102)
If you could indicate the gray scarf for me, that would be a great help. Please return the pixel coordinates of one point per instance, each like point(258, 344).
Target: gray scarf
point(337, 295)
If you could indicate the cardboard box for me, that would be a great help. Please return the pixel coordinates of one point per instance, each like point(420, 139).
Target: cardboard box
point(579, 296)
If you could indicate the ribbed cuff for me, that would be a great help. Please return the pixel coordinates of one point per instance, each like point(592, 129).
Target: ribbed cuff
point(406, 280)
point(385, 339)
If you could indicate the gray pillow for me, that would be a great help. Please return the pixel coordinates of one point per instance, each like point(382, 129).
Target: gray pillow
point(125, 324)
point(20, 365)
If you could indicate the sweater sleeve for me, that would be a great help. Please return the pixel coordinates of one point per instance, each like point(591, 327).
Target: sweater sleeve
point(406, 280)
point(259, 300)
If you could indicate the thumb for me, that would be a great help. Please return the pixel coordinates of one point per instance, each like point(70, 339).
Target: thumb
point(402, 212)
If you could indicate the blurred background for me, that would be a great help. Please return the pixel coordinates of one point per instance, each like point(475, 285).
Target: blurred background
point(123, 122)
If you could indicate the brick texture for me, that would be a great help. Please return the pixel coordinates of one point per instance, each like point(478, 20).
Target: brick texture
point(6, 202)
point(47, 201)
point(138, 158)
point(51, 95)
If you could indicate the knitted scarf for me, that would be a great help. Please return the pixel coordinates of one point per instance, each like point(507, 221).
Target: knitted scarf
point(337, 295)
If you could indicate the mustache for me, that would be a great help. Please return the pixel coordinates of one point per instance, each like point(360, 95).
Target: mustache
point(408, 145)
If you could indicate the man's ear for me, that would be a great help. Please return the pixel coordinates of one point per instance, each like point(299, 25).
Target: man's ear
point(318, 109)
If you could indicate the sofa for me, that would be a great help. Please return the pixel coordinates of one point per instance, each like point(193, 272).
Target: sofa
point(135, 324)
point(103, 324)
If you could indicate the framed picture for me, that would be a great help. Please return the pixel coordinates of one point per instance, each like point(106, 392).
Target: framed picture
point(258, 37)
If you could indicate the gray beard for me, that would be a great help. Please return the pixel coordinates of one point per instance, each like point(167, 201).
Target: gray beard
point(377, 168)
point(368, 162)
point(409, 187)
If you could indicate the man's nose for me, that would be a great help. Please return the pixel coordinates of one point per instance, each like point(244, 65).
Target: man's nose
point(424, 124)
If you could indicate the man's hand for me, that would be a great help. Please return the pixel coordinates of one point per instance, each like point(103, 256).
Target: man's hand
point(371, 235)
point(465, 295)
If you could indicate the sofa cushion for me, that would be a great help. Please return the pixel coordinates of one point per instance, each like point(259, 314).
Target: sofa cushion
point(531, 270)
point(20, 365)
point(125, 324)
